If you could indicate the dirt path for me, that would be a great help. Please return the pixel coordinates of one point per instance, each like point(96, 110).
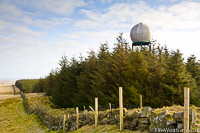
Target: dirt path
point(13, 117)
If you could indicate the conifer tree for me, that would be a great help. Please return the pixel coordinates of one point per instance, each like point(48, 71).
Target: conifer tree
point(154, 60)
point(193, 67)
point(119, 64)
point(66, 82)
point(84, 81)
point(176, 77)
point(39, 86)
point(101, 77)
point(49, 82)
point(136, 76)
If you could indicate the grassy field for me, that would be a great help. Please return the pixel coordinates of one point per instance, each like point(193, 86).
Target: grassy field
point(6, 89)
point(104, 129)
point(14, 119)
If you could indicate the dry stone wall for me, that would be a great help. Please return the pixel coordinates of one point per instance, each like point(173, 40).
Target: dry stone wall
point(141, 119)
point(144, 119)
point(153, 121)
point(52, 122)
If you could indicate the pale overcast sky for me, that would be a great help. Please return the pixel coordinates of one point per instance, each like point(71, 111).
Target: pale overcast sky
point(34, 34)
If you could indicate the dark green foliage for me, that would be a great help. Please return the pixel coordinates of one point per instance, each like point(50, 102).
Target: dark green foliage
point(85, 96)
point(65, 83)
point(49, 82)
point(193, 67)
point(28, 85)
point(159, 75)
point(39, 86)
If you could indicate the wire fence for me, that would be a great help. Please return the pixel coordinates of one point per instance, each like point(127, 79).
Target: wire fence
point(114, 106)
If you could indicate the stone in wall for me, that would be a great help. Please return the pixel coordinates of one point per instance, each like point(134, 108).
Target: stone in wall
point(162, 112)
point(162, 122)
point(134, 124)
point(179, 117)
point(145, 111)
point(192, 117)
point(144, 120)
point(152, 115)
point(136, 114)
point(131, 120)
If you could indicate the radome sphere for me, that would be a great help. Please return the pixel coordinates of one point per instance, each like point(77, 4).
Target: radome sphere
point(140, 33)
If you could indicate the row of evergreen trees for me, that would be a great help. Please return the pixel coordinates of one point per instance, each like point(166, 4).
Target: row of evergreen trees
point(28, 85)
point(159, 75)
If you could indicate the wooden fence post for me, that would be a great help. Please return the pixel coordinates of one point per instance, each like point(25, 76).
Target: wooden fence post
point(96, 112)
point(140, 101)
point(110, 105)
point(186, 109)
point(121, 108)
point(67, 122)
point(91, 108)
point(77, 117)
point(64, 125)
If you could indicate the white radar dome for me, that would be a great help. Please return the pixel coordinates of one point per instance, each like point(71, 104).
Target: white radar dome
point(140, 33)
